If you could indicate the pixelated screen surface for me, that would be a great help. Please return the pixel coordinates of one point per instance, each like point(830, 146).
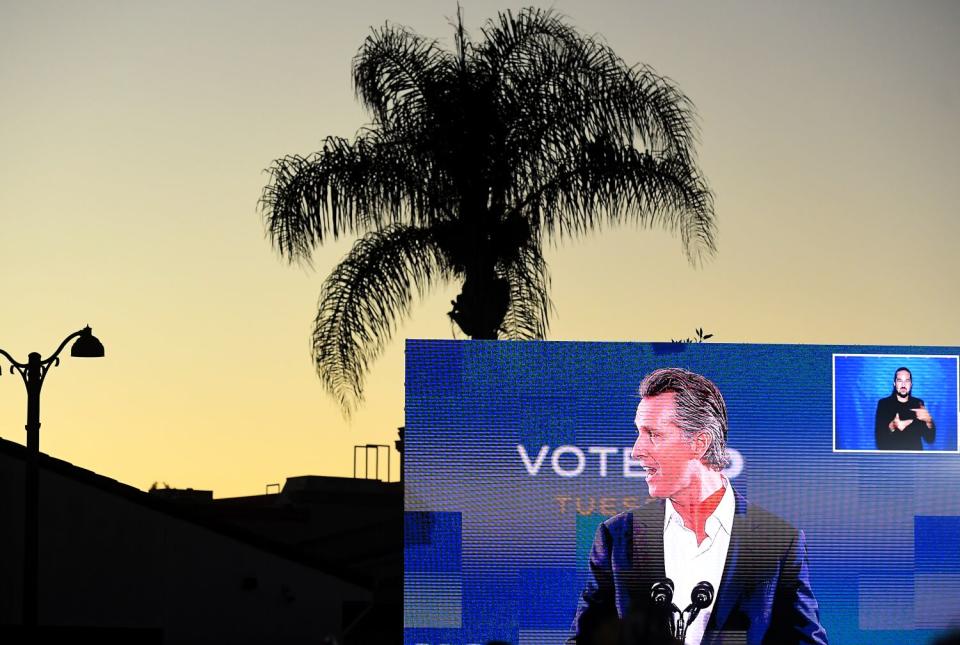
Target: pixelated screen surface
point(515, 452)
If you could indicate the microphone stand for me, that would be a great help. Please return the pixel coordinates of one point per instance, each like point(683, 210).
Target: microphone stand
point(661, 595)
point(700, 598)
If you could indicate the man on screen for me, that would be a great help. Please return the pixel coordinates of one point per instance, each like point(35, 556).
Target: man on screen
point(902, 420)
point(695, 528)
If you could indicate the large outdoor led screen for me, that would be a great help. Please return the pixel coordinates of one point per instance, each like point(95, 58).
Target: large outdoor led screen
point(518, 464)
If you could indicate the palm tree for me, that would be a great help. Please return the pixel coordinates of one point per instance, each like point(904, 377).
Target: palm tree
point(472, 160)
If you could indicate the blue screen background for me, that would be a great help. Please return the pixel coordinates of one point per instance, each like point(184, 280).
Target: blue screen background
point(493, 552)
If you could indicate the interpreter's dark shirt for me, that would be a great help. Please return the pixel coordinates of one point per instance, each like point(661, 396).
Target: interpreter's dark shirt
point(910, 437)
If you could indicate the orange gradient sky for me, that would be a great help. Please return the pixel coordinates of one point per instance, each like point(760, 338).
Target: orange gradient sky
point(134, 135)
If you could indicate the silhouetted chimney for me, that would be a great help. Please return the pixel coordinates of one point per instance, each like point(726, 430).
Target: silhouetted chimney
point(399, 444)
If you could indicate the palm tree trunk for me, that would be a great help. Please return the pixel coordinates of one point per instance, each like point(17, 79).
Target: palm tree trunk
point(482, 305)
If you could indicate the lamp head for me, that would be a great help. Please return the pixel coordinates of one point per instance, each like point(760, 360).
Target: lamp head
point(87, 345)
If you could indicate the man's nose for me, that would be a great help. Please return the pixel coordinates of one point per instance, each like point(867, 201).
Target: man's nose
point(639, 448)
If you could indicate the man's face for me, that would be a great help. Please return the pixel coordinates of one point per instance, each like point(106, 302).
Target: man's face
point(903, 384)
point(670, 459)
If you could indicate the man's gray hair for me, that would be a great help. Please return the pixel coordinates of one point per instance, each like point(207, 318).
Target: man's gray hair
point(700, 408)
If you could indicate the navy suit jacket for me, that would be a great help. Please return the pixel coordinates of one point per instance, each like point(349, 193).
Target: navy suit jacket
point(764, 594)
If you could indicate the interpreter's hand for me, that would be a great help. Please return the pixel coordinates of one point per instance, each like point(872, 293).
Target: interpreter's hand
point(900, 424)
point(923, 415)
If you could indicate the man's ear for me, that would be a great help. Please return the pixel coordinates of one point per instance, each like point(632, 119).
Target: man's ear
point(701, 443)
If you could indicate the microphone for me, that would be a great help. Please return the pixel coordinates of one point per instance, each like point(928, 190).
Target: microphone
point(661, 595)
point(702, 595)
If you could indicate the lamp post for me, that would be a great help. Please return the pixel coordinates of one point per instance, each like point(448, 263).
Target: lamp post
point(33, 372)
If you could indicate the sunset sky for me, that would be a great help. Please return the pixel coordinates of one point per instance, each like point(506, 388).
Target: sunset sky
point(134, 138)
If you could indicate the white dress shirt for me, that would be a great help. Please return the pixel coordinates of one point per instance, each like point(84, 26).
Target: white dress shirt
point(687, 563)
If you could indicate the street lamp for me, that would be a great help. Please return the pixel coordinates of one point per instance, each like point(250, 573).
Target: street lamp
point(33, 372)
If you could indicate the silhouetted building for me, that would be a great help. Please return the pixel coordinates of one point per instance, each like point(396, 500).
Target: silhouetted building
point(125, 566)
point(182, 494)
point(357, 523)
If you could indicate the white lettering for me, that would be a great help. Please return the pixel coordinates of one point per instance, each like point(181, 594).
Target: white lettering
point(630, 466)
point(605, 454)
point(602, 451)
point(533, 468)
point(573, 450)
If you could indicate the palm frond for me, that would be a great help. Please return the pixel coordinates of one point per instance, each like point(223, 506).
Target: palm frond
point(346, 188)
point(508, 37)
point(581, 82)
point(393, 74)
point(605, 183)
point(362, 300)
